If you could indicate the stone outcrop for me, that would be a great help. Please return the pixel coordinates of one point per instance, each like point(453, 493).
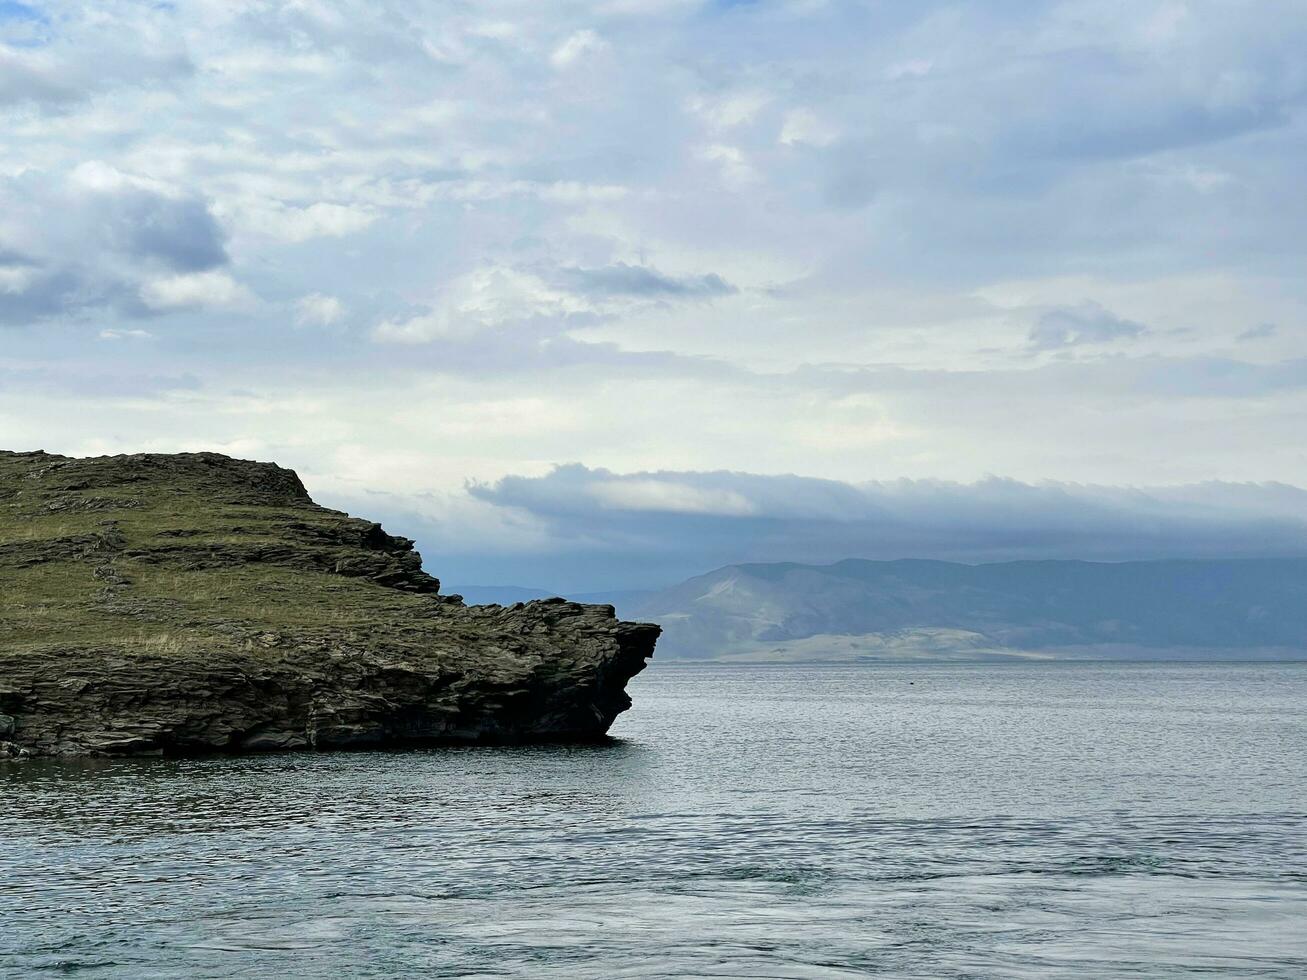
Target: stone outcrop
point(193, 603)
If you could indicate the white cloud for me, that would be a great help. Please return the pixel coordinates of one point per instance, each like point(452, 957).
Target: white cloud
point(200, 289)
point(89, 238)
point(489, 298)
point(96, 176)
point(16, 278)
point(495, 297)
point(295, 224)
point(672, 496)
point(52, 74)
point(736, 170)
point(732, 109)
point(911, 68)
point(115, 334)
point(805, 126)
point(318, 310)
point(577, 46)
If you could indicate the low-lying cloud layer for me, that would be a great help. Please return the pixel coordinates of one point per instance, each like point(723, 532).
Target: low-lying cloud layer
point(591, 529)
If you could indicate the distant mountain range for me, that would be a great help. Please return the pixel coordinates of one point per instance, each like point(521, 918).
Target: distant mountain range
point(1200, 609)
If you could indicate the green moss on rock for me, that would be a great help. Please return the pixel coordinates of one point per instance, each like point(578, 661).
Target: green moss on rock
point(191, 603)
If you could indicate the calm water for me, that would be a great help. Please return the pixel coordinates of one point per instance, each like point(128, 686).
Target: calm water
point(1037, 821)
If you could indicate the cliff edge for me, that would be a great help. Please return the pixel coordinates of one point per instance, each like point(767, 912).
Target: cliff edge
point(191, 603)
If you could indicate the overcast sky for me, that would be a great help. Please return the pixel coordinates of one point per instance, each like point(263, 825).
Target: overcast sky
point(773, 279)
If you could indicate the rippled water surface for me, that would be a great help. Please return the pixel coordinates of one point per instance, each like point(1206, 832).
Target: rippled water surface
point(928, 821)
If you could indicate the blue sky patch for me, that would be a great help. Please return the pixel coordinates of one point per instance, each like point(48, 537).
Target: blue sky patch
point(11, 10)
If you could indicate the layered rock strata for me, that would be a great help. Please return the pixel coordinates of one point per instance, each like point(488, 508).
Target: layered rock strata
point(183, 604)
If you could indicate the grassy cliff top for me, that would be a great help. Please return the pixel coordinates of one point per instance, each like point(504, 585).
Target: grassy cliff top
point(161, 551)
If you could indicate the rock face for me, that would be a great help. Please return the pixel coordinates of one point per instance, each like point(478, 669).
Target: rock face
point(195, 603)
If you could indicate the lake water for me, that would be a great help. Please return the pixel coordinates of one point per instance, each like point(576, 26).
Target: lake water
point(1056, 820)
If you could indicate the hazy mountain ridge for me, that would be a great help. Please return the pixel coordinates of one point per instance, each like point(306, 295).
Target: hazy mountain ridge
point(1198, 609)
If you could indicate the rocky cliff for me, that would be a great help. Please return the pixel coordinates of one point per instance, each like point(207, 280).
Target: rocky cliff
point(195, 603)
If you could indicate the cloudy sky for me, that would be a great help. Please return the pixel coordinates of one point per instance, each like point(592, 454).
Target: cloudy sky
point(589, 295)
